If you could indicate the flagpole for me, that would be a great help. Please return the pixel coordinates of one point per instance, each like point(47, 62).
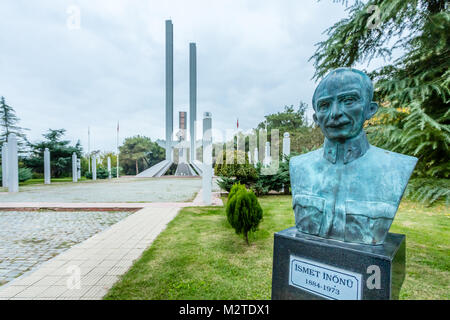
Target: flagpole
point(89, 149)
point(117, 150)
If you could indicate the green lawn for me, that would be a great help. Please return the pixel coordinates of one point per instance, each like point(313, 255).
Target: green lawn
point(54, 180)
point(199, 256)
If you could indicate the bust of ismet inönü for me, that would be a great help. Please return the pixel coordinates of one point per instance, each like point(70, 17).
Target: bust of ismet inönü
point(348, 190)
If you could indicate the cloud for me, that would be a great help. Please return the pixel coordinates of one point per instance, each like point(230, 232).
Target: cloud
point(252, 60)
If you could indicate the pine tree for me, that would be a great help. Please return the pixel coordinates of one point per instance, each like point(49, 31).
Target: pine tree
point(8, 123)
point(413, 90)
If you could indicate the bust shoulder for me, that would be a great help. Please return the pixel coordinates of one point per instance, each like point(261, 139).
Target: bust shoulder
point(306, 158)
point(391, 160)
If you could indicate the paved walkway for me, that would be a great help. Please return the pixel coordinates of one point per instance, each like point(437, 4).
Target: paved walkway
point(88, 270)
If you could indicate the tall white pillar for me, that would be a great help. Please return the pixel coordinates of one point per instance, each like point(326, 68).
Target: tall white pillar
point(207, 159)
point(13, 164)
point(255, 157)
point(74, 167)
point(94, 167)
point(46, 166)
point(249, 155)
point(79, 168)
point(5, 168)
point(286, 145)
point(109, 168)
point(267, 159)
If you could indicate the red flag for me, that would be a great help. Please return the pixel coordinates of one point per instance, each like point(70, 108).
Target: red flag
point(237, 123)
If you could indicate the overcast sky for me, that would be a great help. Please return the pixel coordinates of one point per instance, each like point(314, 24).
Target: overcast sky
point(252, 60)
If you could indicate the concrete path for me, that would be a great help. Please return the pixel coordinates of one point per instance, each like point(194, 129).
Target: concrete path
point(88, 270)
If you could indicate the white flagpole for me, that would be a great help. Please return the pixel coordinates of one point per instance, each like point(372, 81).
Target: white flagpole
point(89, 149)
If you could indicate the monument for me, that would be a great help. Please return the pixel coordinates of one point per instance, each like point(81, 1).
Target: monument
point(188, 165)
point(74, 168)
point(207, 159)
point(47, 166)
point(286, 145)
point(345, 197)
point(109, 168)
point(5, 165)
point(94, 167)
point(13, 164)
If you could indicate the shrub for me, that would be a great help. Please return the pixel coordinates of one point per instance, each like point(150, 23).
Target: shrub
point(102, 173)
point(243, 210)
point(226, 183)
point(243, 173)
point(24, 174)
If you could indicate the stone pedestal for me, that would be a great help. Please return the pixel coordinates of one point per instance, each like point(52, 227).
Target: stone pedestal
point(309, 268)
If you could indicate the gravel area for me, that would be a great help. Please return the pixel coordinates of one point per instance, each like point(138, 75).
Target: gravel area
point(27, 239)
point(122, 190)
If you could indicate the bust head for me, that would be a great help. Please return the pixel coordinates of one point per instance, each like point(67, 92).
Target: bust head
point(342, 102)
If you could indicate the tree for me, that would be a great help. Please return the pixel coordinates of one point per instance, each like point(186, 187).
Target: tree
point(60, 154)
point(304, 137)
point(244, 212)
point(286, 121)
point(139, 151)
point(413, 90)
point(8, 122)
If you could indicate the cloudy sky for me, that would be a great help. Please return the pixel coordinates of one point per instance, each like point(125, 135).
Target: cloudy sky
point(252, 60)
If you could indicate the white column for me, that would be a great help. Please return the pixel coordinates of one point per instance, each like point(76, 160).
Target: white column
point(5, 168)
point(46, 166)
point(109, 168)
point(94, 168)
point(207, 159)
point(79, 168)
point(249, 155)
point(286, 145)
point(74, 167)
point(13, 164)
point(267, 159)
point(255, 156)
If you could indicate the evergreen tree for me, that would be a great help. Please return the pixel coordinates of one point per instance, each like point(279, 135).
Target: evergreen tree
point(60, 154)
point(8, 123)
point(413, 90)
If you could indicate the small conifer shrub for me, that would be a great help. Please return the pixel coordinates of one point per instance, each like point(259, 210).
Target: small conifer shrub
point(243, 210)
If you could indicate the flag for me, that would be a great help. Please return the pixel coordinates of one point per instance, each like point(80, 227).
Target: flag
point(237, 123)
point(117, 126)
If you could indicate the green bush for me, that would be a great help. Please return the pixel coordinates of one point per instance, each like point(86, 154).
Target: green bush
point(102, 173)
point(24, 174)
point(226, 183)
point(243, 210)
point(38, 175)
point(243, 173)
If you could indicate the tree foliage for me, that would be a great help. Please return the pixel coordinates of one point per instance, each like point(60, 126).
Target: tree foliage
point(413, 90)
point(8, 123)
point(304, 136)
point(244, 212)
point(60, 154)
point(139, 153)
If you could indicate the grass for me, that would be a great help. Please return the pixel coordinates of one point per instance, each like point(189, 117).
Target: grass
point(199, 256)
point(54, 180)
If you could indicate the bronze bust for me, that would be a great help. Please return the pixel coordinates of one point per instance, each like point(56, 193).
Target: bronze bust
point(348, 190)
